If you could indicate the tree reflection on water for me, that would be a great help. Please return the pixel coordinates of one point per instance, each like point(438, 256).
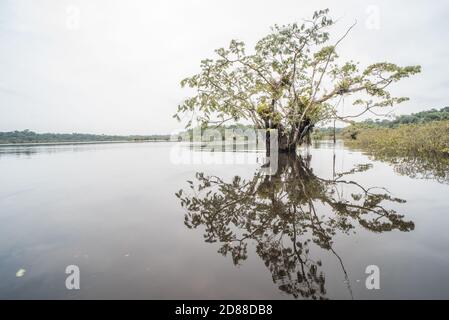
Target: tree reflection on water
point(284, 215)
point(431, 166)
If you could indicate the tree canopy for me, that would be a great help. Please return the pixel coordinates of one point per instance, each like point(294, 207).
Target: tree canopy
point(289, 82)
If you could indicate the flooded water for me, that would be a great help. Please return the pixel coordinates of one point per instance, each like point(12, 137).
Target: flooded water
point(309, 230)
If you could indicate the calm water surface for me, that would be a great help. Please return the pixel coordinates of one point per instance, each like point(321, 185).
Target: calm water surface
point(308, 231)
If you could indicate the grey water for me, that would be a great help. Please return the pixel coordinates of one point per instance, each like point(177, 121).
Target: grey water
point(307, 231)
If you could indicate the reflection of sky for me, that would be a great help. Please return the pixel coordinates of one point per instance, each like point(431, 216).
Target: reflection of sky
point(116, 69)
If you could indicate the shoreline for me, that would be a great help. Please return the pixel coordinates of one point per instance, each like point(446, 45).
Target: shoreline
point(63, 143)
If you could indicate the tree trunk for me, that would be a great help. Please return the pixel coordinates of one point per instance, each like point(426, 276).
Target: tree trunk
point(289, 142)
point(284, 143)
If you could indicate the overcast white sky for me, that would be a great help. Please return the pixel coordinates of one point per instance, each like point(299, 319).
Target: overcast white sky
point(105, 66)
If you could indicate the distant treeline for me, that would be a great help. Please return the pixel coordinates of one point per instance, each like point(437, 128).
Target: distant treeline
point(414, 118)
point(27, 136)
point(221, 129)
point(325, 133)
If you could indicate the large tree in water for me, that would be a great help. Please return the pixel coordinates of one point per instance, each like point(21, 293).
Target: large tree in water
point(289, 82)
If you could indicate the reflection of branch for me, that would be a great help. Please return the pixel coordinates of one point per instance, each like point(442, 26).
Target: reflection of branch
point(271, 210)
